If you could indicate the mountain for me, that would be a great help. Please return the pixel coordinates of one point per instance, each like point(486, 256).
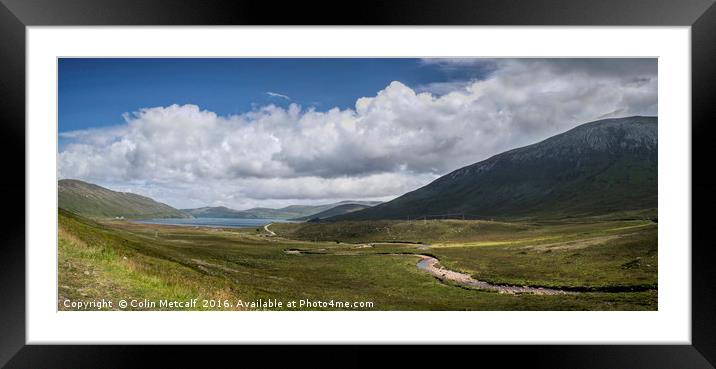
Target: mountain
point(338, 210)
point(288, 212)
point(90, 200)
point(597, 168)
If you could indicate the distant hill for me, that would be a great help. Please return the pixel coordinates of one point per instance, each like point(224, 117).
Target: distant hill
point(597, 168)
point(288, 212)
point(338, 210)
point(218, 212)
point(94, 201)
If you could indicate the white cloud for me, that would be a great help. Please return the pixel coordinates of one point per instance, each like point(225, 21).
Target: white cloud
point(389, 144)
point(442, 88)
point(275, 94)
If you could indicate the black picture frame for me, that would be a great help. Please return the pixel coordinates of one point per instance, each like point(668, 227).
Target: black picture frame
point(16, 15)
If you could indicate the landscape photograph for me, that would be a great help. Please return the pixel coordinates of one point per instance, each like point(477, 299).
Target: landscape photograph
point(373, 184)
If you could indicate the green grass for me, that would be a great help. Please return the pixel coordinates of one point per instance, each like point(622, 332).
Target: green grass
point(96, 263)
point(454, 232)
point(416, 231)
point(627, 261)
point(183, 262)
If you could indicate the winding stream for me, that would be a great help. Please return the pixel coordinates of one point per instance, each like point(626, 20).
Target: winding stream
point(429, 264)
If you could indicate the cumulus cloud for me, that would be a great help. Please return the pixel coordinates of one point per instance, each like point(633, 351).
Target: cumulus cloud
point(390, 143)
point(444, 87)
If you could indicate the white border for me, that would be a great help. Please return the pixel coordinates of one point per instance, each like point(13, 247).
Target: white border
point(670, 324)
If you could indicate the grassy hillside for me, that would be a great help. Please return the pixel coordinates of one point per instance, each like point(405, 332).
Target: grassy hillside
point(394, 231)
point(450, 231)
point(95, 262)
point(98, 202)
point(597, 168)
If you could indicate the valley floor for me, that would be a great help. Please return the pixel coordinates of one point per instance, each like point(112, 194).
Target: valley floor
point(594, 264)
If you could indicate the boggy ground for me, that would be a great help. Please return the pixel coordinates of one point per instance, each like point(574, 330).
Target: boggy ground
point(609, 265)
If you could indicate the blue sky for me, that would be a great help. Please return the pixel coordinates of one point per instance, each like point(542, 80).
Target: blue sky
point(96, 92)
point(275, 132)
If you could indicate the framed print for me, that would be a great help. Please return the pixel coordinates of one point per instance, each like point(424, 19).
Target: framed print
point(449, 173)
